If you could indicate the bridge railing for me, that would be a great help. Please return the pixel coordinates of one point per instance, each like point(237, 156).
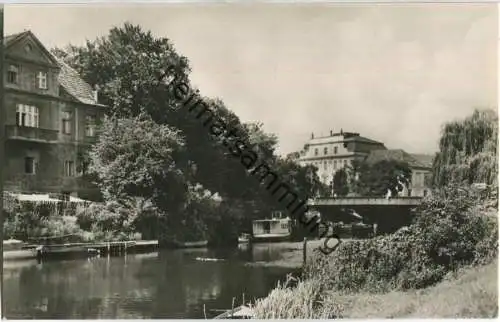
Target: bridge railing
point(403, 201)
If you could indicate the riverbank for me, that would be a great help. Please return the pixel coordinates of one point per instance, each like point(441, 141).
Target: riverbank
point(471, 293)
point(411, 273)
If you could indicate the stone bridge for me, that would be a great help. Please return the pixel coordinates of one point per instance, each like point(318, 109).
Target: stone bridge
point(389, 214)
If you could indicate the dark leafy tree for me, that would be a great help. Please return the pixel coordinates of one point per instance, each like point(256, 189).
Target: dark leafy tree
point(126, 65)
point(340, 183)
point(373, 180)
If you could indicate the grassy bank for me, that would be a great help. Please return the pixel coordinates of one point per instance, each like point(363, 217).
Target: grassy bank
point(470, 293)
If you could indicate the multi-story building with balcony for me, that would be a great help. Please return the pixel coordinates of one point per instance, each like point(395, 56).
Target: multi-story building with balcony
point(51, 119)
point(336, 151)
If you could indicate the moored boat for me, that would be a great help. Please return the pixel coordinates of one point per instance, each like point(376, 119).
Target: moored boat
point(14, 249)
point(278, 228)
point(59, 247)
point(244, 239)
point(241, 312)
point(65, 251)
point(192, 244)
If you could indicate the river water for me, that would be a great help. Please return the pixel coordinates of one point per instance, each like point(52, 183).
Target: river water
point(165, 284)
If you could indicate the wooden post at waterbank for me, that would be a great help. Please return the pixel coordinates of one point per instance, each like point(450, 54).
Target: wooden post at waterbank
point(304, 252)
point(2, 151)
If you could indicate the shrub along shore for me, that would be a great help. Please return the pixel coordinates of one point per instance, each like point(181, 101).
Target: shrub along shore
point(454, 229)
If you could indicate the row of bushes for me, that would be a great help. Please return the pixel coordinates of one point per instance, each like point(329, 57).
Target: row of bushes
point(200, 219)
point(94, 222)
point(452, 229)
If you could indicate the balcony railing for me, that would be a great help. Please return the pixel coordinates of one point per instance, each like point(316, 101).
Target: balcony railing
point(31, 133)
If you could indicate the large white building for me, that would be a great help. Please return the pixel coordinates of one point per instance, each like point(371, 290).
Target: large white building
point(336, 151)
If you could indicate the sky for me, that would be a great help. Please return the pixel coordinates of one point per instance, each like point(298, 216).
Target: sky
point(393, 73)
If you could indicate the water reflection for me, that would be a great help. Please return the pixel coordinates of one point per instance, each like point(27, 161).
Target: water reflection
point(168, 284)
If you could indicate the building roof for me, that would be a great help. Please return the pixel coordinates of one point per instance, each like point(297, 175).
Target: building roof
point(74, 85)
point(9, 39)
point(359, 138)
point(413, 160)
point(342, 137)
point(424, 159)
point(68, 78)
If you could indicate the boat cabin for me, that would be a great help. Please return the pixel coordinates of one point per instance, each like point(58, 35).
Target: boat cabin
point(277, 226)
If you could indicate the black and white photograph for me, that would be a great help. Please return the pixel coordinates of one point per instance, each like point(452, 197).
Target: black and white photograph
point(249, 160)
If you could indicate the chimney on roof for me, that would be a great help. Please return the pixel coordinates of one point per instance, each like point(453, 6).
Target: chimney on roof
point(341, 132)
point(331, 132)
point(312, 135)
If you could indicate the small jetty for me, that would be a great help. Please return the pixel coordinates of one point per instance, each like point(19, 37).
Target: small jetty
point(93, 249)
point(59, 247)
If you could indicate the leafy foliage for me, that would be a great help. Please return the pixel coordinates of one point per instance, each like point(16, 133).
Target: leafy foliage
point(450, 230)
point(468, 151)
point(25, 220)
point(340, 183)
point(140, 158)
point(374, 179)
point(152, 149)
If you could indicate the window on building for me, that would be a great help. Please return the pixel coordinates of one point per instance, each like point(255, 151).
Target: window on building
point(66, 122)
point(12, 74)
point(27, 115)
point(316, 151)
point(90, 125)
point(65, 196)
point(417, 179)
point(325, 165)
point(335, 164)
point(427, 179)
point(69, 168)
point(335, 150)
point(41, 78)
point(82, 168)
point(325, 150)
point(29, 165)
